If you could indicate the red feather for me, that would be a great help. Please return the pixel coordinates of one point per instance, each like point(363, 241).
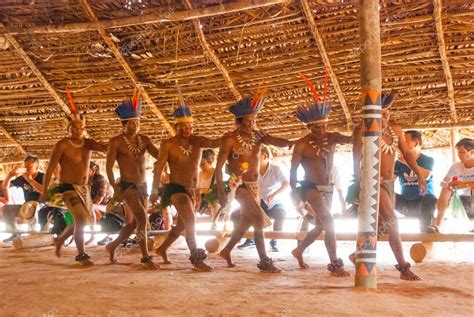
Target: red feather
point(257, 97)
point(71, 101)
point(134, 100)
point(310, 84)
point(325, 85)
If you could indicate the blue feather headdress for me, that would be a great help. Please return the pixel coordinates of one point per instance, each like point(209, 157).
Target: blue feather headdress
point(182, 113)
point(314, 110)
point(388, 99)
point(248, 105)
point(130, 109)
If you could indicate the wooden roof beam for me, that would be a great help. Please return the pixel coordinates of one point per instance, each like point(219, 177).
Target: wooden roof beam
point(19, 50)
point(11, 138)
point(38, 73)
point(127, 68)
point(212, 55)
point(444, 58)
point(169, 16)
point(322, 50)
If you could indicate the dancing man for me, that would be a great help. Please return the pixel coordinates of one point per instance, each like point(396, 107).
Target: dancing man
point(128, 149)
point(241, 149)
point(183, 154)
point(73, 155)
point(315, 152)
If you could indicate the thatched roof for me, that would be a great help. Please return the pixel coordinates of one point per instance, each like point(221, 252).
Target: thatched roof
point(101, 49)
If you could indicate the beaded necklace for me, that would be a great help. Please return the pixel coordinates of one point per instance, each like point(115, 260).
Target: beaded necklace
point(135, 150)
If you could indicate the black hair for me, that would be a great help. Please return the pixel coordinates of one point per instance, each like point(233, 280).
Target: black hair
point(32, 158)
point(467, 143)
point(239, 120)
point(208, 155)
point(415, 135)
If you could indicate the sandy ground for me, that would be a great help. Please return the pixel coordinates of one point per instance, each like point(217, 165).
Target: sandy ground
point(35, 283)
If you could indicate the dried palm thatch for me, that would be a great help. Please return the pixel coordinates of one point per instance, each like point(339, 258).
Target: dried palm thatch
point(220, 51)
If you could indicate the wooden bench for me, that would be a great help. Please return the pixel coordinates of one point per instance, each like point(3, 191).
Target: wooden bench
point(418, 251)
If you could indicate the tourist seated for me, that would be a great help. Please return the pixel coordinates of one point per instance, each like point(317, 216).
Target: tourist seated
point(30, 180)
point(410, 202)
point(460, 176)
point(272, 184)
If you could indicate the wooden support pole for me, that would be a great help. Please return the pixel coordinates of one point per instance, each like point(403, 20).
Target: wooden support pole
point(212, 55)
point(371, 87)
point(161, 17)
point(128, 69)
point(332, 75)
point(444, 58)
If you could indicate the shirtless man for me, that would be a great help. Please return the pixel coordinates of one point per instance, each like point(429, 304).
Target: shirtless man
point(73, 155)
point(183, 154)
point(315, 152)
point(392, 140)
point(241, 149)
point(128, 149)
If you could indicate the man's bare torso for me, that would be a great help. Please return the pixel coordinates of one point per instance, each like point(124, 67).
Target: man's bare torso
point(317, 159)
point(132, 165)
point(184, 168)
point(74, 162)
point(387, 160)
point(240, 155)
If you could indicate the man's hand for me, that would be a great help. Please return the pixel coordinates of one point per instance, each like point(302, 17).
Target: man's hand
point(422, 184)
point(16, 171)
point(153, 198)
point(270, 197)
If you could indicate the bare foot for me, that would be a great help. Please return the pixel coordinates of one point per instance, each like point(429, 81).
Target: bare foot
point(202, 267)
point(147, 262)
point(299, 256)
point(406, 273)
point(57, 245)
point(340, 272)
point(163, 255)
point(352, 258)
point(225, 254)
point(409, 276)
point(109, 248)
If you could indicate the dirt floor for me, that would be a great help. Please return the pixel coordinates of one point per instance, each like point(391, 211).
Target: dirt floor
point(35, 283)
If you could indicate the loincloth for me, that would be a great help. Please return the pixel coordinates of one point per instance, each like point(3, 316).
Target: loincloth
point(141, 188)
point(72, 194)
point(325, 190)
point(256, 216)
point(172, 188)
point(389, 187)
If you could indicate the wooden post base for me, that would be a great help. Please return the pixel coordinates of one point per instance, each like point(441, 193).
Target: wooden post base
point(421, 250)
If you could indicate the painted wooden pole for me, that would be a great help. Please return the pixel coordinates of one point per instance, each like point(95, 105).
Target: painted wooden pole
point(371, 84)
